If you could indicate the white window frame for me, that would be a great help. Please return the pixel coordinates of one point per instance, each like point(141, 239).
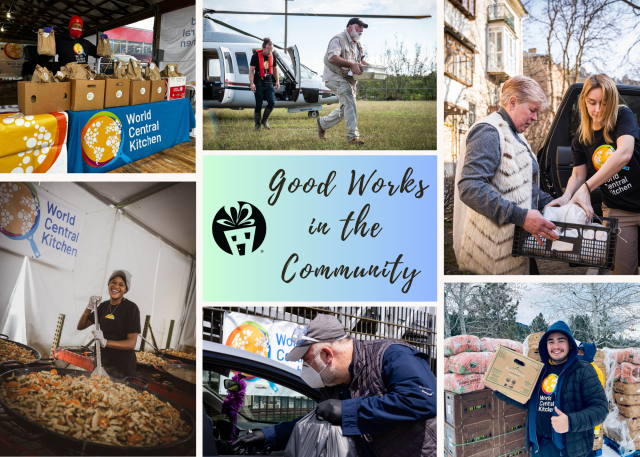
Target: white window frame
point(502, 49)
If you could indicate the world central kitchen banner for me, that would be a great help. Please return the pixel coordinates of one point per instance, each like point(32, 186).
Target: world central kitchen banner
point(101, 141)
point(266, 337)
point(35, 223)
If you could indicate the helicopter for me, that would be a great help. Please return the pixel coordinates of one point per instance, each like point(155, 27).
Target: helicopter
point(226, 57)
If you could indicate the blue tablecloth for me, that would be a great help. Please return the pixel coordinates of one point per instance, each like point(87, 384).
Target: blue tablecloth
point(103, 140)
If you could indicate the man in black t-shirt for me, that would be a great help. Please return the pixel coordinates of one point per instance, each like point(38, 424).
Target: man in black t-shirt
point(263, 76)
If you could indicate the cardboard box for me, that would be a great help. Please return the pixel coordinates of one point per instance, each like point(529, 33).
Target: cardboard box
point(535, 338)
point(157, 91)
point(626, 400)
point(116, 92)
point(627, 389)
point(507, 445)
point(461, 409)
point(87, 94)
point(629, 411)
point(140, 92)
point(41, 98)
point(513, 374)
point(175, 87)
point(634, 424)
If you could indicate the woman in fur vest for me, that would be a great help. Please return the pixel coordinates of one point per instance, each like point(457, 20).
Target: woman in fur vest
point(606, 154)
point(497, 186)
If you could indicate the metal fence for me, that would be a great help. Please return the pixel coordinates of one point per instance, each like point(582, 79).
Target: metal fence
point(400, 93)
point(416, 327)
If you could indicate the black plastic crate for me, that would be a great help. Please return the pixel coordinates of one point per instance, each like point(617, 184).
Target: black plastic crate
point(585, 252)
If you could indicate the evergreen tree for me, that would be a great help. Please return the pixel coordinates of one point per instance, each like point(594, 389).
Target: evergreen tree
point(538, 324)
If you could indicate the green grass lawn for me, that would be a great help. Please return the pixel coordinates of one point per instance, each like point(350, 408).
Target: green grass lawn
point(382, 124)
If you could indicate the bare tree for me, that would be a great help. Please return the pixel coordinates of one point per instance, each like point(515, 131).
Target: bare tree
point(611, 309)
point(459, 299)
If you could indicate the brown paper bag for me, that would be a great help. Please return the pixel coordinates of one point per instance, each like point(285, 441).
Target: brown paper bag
point(46, 43)
point(152, 72)
point(170, 71)
point(119, 70)
point(104, 48)
point(91, 74)
point(61, 75)
point(41, 75)
point(76, 71)
point(102, 76)
point(134, 71)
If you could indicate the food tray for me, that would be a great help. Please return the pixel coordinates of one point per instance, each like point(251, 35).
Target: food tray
point(371, 72)
point(585, 252)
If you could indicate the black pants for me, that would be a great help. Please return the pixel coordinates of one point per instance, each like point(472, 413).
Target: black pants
point(267, 93)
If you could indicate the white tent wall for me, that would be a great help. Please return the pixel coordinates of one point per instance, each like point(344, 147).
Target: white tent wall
point(10, 266)
point(177, 39)
point(50, 291)
point(169, 301)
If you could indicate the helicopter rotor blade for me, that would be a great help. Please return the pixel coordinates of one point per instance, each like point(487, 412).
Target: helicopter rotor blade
point(375, 16)
point(239, 31)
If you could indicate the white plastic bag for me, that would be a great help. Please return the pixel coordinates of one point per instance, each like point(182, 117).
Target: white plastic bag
point(570, 213)
point(314, 438)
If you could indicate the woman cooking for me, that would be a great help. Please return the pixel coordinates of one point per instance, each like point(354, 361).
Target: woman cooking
point(119, 321)
point(70, 46)
point(606, 154)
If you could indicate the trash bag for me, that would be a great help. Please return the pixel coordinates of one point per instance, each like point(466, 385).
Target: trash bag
point(314, 438)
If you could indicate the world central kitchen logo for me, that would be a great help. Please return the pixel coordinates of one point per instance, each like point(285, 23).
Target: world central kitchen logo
point(239, 228)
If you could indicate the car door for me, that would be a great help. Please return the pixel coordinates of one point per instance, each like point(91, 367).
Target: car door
point(274, 394)
point(227, 75)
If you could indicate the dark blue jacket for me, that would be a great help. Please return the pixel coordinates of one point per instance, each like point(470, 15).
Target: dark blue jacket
point(411, 397)
point(578, 394)
point(589, 352)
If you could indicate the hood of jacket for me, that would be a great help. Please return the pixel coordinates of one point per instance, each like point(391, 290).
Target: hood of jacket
point(589, 350)
point(559, 326)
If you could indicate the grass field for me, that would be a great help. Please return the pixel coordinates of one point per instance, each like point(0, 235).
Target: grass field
point(382, 125)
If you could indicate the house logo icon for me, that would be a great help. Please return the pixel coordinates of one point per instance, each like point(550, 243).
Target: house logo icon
point(239, 228)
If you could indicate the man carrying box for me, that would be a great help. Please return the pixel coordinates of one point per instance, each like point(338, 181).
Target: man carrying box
point(381, 392)
point(567, 402)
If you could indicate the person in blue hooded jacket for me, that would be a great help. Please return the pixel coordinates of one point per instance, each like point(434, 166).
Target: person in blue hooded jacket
point(567, 402)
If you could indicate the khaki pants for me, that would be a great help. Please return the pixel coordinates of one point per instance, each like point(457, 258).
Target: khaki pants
point(626, 253)
point(346, 110)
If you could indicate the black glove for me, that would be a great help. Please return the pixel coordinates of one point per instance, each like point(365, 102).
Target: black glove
point(249, 441)
point(330, 411)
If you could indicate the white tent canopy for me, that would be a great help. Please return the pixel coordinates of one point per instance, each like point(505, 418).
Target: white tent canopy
point(146, 228)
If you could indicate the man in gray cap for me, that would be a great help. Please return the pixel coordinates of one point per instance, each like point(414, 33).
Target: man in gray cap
point(341, 61)
point(381, 392)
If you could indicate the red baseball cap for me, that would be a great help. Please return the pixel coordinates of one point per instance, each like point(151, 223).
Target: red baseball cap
point(75, 20)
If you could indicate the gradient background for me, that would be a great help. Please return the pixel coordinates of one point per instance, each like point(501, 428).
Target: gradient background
point(409, 228)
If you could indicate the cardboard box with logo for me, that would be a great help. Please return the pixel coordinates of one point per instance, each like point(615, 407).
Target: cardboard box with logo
point(116, 92)
point(513, 374)
point(87, 94)
point(157, 91)
point(176, 87)
point(35, 98)
point(140, 92)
